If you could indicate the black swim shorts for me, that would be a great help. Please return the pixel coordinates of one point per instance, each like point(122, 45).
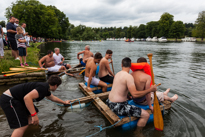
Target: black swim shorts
point(13, 44)
point(16, 112)
point(124, 109)
point(107, 78)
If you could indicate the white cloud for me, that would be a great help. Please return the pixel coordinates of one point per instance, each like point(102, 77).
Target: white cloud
point(107, 13)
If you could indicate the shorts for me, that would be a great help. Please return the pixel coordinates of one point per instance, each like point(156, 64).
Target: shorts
point(22, 51)
point(63, 64)
point(13, 44)
point(16, 112)
point(124, 109)
point(95, 81)
point(107, 78)
point(160, 96)
point(82, 63)
point(54, 68)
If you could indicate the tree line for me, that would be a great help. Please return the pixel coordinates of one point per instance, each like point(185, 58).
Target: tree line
point(50, 22)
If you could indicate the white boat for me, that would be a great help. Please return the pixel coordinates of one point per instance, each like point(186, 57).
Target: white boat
point(154, 39)
point(137, 39)
point(162, 39)
point(189, 39)
point(148, 39)
point(132, 39)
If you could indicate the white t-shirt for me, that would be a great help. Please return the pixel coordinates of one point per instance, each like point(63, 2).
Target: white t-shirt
point(57, 58)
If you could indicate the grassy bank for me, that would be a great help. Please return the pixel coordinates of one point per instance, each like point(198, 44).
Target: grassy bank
point(32, 58)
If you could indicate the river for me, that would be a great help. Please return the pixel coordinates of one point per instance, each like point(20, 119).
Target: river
point(179, 66)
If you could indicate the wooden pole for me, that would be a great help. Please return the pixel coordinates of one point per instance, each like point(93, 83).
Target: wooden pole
point(112, 67)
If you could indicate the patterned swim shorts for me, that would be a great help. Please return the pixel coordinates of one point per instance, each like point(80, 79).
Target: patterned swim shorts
point(124, 109)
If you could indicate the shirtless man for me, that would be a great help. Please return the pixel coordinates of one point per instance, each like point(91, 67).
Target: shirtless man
point(105, 74)
point(142, 82)
point(117, 100)
point(50, 63)
point(90, 71)
point(87, 53)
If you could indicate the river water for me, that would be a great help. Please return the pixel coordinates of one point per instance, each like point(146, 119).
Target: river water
point(179, 66)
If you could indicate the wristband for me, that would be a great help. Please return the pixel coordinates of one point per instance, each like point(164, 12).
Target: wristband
point(33, 114)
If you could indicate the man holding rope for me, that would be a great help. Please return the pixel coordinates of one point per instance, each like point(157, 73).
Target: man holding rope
point(17, 103)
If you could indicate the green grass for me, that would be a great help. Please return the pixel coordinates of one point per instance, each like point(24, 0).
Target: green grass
point(32, 58)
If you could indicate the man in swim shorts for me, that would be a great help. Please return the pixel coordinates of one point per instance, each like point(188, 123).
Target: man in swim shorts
point(86, 54)
point(50, 63)
point(90, 71)
point(17, 103)
point(142, 82)
point(117, 100)
point(105, 74)
point(57, 58)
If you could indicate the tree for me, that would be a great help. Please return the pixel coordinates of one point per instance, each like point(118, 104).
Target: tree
point(152, 29)
point(177, 29)
point(3, 23)
point(165, 24)
point(41, 20)
point(122, 34)
point(200, 25)
point(129, 32)
point(141, 33)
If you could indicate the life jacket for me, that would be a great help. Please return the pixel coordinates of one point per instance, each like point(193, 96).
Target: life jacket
point(144, 65)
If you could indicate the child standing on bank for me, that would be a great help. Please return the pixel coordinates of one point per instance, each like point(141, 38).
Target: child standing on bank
point(20, 40)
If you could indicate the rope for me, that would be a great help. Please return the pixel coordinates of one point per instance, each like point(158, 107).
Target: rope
point(101, 129)
point(71, 104)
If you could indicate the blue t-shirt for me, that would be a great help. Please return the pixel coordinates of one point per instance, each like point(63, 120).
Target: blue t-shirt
point(11, 26)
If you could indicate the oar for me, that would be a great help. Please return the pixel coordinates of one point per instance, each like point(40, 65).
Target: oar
point(112, 67)
point(158, 120)
point(81, 72)
point(6, 75)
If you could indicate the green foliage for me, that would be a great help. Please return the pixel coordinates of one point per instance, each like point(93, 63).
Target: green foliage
point(2, 23)
point(165, 23)
point(41, 20)
point(200, 26)
point(152, 29)
point(141, 31)
point(177, 29)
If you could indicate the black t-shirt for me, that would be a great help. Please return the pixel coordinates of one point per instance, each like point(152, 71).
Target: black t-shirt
point(11, 26)
point(19, 91)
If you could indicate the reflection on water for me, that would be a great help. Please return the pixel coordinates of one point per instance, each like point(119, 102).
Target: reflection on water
point(179, 66)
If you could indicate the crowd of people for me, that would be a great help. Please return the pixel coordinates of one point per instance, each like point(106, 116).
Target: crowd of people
point(16, 43)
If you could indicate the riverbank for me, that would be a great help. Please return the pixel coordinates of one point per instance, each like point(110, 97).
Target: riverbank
point(32, 58)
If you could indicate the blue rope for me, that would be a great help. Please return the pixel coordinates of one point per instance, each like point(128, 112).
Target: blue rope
point(101, 129)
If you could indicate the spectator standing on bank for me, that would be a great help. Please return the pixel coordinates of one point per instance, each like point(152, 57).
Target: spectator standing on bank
point(1, 42)
point(20, 40)
point(16, 23)
point(11, 32)
point(23, 26)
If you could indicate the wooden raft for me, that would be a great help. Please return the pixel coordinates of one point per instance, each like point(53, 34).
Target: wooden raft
point(73, 70)
point(108, 113)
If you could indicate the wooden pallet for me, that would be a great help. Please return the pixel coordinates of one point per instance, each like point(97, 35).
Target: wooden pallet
point(108, 113)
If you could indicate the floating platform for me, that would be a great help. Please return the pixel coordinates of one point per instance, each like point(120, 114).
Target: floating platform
point(124, 122)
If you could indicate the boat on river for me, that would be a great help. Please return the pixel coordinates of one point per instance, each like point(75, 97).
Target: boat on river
point(162, 39)
point(129, 40)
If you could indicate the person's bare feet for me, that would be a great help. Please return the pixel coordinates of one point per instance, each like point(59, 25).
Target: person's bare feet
point(174, 98)
point(167, 91)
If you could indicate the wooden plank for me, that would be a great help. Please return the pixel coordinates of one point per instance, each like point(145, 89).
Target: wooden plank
point(110, 115)
point(89, 99)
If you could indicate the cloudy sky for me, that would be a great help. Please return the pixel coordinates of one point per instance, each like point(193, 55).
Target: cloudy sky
point(107, 13)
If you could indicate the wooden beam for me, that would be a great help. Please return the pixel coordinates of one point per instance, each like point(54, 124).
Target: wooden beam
point(89, 99)
point(104, 109)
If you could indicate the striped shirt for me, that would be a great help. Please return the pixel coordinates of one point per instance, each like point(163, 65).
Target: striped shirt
point(20, 37)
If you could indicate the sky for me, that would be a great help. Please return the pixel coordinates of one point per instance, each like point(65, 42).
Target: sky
point(120, 13)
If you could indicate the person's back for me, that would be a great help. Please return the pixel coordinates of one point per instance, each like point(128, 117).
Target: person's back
point(119, 88)
point(90, 65)
point(103, 71)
